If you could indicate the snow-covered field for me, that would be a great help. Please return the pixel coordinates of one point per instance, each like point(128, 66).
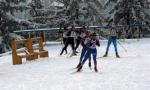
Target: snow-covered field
point(130, 72)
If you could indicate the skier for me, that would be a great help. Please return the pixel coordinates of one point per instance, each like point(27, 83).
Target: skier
point(65, 37)
point(91, 44)
point(112, 38)
point(84, 35)
point(70, 40)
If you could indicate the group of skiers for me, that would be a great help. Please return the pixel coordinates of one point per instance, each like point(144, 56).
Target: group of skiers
point(68, 39)
point(88, 41)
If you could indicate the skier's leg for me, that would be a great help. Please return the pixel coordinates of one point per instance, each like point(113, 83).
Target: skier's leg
point(84, 49)
point(94, 53)
point(88, 53)
point(73, 46)
point(90, 61)
point(108, 45)
point(77, 44)
point(65, 47)
point(64, 42)
point(115, 46)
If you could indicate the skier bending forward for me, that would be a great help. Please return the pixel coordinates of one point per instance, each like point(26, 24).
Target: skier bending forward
point(85, 36)
point(91, 44)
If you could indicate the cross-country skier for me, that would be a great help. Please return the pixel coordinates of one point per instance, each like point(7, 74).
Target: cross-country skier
point(65, 37)
point(112, 39)
point(70, 40)
point(84, 35)
point(91, 44)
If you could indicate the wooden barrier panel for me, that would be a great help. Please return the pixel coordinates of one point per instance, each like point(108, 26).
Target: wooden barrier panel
point(40, 49)
point(30, 53)
point(16, 58)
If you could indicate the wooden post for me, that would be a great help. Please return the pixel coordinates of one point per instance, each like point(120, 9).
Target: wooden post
point(42, 35)
point(139, 33)
point(29, 48)
point(138, 29)
point(29, 34)
point(41, 49)
point(40, 44)
point(28, 45)
point(15, 59)
point(15, 36)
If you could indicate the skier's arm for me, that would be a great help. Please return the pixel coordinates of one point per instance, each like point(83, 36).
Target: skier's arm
point(87, 42)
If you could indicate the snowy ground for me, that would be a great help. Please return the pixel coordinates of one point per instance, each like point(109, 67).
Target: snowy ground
point(130, 72)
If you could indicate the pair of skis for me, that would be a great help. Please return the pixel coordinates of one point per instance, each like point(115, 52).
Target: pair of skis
point(79, 71)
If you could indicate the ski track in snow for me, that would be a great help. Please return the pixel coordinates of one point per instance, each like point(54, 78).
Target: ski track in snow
point(130, 72)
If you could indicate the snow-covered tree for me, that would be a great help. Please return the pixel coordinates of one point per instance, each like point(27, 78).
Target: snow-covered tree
point(36, 11)
point(7, 20)
point(83, 11)
point(45, 13)
point(129, 12)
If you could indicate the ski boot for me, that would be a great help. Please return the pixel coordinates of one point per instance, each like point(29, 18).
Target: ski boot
point(105, 54)
point(74, 53)
point(66, 51)
point(117, 55)
point(90, 64)
point(79, 69)
point(61, 53)
point(78, 65)
point(95, 68)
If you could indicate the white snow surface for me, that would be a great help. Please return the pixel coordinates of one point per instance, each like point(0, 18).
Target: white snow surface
point(130, 72)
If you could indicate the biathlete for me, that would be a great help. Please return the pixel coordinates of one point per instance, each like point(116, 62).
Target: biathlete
point(84, 35)
point(70, 40)
point(91, 44)
point(65, 37)
point(112, 39)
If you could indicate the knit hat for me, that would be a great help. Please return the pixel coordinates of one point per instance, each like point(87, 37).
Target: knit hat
point(94, 34)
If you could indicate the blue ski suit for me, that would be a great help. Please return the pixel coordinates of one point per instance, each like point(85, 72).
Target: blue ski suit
point(84, 50)
point(91, 44)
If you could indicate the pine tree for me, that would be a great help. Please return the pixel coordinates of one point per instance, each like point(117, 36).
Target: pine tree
point(83, 11)
point(37, 12)
point(129, 12)
point(7, 21)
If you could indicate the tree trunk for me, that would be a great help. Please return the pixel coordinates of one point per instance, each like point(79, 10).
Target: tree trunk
point(1, 45)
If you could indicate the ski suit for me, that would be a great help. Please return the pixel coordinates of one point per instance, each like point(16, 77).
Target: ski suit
point(91, 44)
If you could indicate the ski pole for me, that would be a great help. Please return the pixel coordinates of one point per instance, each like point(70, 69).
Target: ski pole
point(122, 46)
